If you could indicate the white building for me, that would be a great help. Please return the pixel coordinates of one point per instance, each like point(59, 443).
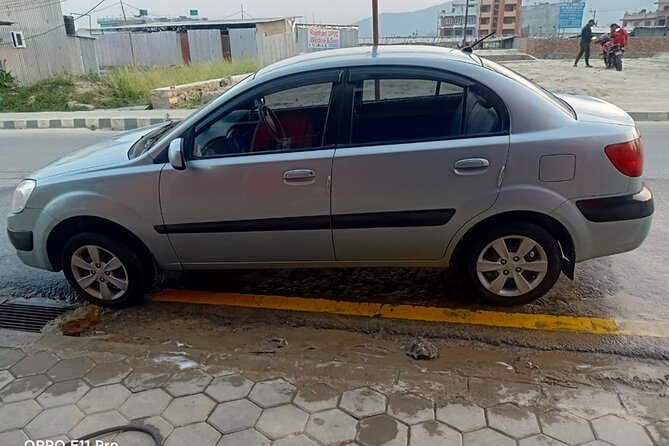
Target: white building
point(452, 23)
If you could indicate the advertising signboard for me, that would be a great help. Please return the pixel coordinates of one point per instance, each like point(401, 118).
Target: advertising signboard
point(324, 38)
point(571, 15)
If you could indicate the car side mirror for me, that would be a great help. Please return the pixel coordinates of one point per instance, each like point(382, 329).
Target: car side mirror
point(176, 154)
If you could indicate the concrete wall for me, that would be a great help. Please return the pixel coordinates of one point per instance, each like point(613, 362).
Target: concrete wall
point(556, 48)
point(49, 51)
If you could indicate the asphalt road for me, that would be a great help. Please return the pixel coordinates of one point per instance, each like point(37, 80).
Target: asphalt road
point(627, 286)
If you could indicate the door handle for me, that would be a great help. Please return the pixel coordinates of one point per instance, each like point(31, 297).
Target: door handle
point(472, 163)
point(299, 176)
point(470, 166)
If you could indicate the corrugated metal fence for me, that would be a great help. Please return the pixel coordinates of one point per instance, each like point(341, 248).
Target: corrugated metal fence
point(49, 51)
point(205, 45)
point(154, 49)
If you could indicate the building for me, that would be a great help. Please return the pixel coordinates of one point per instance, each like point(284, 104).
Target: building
point(37, 42)
point(655, 19)
point(500, 16)
point(451, 23)
point(144, 17)
point(540, 20)
point(265, 40)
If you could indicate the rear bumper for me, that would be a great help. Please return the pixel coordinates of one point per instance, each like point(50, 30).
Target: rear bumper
point(602, 227)
point(626, 207)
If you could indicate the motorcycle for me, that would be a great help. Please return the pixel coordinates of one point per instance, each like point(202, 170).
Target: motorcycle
point(612, 53)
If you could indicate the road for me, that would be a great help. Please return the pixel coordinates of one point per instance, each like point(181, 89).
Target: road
point(629, 286)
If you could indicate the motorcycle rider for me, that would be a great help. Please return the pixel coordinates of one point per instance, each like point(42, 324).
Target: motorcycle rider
point(618, 35)
point(586, 36)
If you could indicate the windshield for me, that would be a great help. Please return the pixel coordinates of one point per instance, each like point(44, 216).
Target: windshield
point(147, 141)
point(525, 82)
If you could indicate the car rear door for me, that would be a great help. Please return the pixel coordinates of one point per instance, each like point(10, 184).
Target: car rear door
point(420, 156)
point(246, 196)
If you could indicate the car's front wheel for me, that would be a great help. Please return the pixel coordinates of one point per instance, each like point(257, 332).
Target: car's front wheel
point(104, 271)
point(514, 264)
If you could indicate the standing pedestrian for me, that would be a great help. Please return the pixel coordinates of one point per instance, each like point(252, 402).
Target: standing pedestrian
point(586, 36)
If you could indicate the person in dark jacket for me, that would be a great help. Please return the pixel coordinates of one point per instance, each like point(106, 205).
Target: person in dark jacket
point(586, 37)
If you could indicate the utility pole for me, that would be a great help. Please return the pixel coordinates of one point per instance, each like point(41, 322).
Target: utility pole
point(375, 21)
point(132, 48)
point(375, 39)
point(464, 29)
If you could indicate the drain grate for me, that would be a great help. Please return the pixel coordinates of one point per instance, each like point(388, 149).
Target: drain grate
point(27, 317)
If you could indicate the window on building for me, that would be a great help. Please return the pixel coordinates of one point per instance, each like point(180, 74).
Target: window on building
point(666, 8)
point(509, 8)
point(471, 20)
point(18, 40)
point(458, 20)
point(661, 22)
point(448, 21)
point(485, 21)
point(509, 20)
point(508, 32)
point(647, 23)
point(485, 8)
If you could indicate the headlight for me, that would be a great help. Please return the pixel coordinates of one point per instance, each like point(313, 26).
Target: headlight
point(22, 195)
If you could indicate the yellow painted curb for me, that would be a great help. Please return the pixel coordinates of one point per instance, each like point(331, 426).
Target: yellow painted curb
point(528, 321)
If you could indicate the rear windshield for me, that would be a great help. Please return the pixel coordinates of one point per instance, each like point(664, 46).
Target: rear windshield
point(525, 82)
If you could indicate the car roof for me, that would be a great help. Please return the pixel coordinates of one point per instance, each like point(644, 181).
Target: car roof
point(372, 55)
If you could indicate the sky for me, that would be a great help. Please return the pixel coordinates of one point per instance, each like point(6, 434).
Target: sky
point(323, 11)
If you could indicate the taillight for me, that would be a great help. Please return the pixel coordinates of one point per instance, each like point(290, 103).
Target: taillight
point(627, 157)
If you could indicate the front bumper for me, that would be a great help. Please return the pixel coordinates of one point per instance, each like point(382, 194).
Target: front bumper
point(626, 207)
point(27, 232)
point(21, 240)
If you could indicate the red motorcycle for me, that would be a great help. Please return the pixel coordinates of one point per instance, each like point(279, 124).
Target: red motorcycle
point(612, 52)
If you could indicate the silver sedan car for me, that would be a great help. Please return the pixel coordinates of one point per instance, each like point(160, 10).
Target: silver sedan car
point(364, 157)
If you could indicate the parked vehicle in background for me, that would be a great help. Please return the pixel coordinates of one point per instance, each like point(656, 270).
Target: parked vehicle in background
point(364, 157)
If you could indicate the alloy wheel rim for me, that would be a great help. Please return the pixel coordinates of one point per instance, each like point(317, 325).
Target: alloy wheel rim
point(99, 273)
point(512, 266)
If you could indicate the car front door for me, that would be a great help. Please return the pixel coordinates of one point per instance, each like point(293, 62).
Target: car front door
point(255, 186)
point(425, 153)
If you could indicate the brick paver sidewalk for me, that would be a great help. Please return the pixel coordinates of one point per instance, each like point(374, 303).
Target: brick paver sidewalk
point(51, 392)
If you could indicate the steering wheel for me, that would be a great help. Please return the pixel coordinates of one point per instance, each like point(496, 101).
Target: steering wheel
point(272, 123)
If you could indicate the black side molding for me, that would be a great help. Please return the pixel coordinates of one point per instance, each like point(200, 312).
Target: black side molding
point(21, 240)
point(400, 219)
point(626, 207)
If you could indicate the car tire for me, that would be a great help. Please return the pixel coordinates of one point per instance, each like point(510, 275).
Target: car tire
point(105, 271)
point(498, 279)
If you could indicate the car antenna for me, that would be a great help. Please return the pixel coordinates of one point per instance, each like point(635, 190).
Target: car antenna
point(470, 48)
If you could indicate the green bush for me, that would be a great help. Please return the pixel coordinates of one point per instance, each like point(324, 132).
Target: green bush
point(7, 81)
point(120, 88)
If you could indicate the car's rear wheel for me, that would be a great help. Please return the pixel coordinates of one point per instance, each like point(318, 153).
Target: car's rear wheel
point(514, 264)
point(104, 271)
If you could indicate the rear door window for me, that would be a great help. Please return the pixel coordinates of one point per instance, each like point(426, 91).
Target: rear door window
point(389, 111)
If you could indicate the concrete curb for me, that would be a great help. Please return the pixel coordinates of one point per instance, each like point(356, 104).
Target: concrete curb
point(80, 123)
point(649, 116)
point(134, 123)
